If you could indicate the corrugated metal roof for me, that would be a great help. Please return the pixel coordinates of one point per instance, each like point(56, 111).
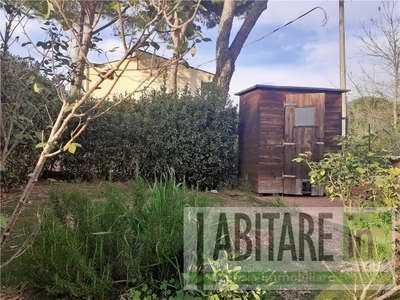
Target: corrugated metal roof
point(290, 88)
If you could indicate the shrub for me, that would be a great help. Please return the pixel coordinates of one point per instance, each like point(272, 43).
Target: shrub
point(196, 135)
point(24, 116)
point(361, 178)
point(356, 176)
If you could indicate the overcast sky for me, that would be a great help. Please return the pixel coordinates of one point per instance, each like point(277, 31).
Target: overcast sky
point(305, 53)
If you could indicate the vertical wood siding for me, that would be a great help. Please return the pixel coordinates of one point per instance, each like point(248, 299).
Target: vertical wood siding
point(262, 133)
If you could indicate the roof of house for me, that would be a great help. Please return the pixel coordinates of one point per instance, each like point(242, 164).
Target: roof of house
point(290, 88)
point(159, 56)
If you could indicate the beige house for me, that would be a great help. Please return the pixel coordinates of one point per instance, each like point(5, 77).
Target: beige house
point(144, 71)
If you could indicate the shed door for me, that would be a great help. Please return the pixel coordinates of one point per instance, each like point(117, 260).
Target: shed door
point(304, 131)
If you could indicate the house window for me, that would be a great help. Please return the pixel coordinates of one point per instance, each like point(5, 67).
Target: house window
point(304, 116)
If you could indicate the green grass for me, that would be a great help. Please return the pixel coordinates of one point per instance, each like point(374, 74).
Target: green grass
point(101, 241)
point(13, 276)
point(62, 203)
point(98, 245)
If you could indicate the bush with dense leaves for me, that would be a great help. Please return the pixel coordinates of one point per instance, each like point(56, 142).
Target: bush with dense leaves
point(196, 135)
point(25, 116)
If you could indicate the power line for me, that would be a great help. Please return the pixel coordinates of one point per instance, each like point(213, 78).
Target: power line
point(283, 26)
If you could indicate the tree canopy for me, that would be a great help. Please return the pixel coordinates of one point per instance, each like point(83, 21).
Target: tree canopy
point(373, 115)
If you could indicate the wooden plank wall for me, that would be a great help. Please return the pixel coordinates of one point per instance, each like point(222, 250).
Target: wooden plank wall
point(333, 121)
point(249, 137)
point(261, 136)
point(271, 141)
point(289, 151)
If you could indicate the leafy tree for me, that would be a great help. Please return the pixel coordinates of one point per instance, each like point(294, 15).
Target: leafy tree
point(182, 30)
point(227, 52)
point(210, 16)
point(227, 49)
point(356, 167)
point(25, 115)
point(80, 19)
point(371, 117)
point(23, 122)
point(207, 13)
point(55, 61)
point(381, 47)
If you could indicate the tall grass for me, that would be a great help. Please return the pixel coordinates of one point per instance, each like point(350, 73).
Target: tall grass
point(64, 259)
point(100, 248)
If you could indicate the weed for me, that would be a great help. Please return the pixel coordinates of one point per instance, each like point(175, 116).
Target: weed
point(277, 202)
point(99, 249)
point(244, 185)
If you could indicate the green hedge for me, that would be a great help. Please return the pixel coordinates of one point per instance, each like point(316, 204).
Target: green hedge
point(196, 135)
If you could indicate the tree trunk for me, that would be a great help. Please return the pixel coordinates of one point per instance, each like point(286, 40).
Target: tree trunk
point(172, 84)
point(80, 61)
point(173, 72)
point(224, 73)
point(396, 93)
point(178, 30)
point(84, 32)
point(226, 54)
point(25, 194)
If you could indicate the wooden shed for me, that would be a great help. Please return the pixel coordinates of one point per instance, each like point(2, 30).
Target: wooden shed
point(279, 122)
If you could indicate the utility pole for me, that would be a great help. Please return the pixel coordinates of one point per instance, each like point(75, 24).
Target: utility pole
point(342, 58)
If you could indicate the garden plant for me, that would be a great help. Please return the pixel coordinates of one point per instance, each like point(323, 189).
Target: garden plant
point(360, 178)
